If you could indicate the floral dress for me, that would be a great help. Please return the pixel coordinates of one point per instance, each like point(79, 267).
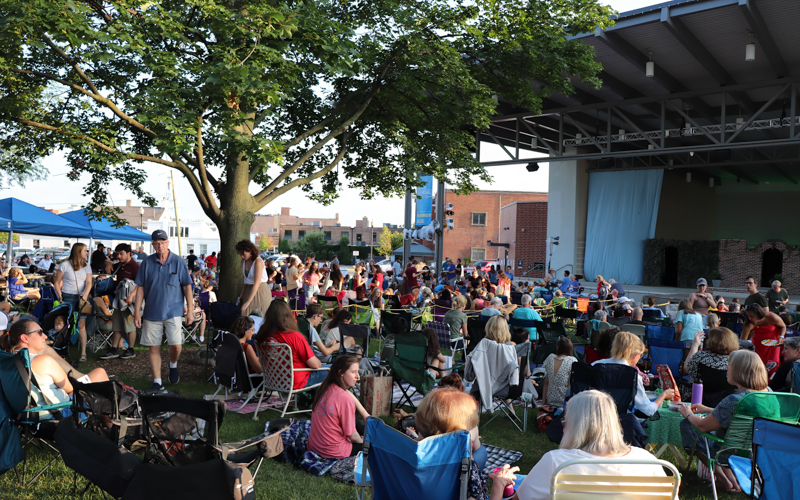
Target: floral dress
point(476, 484)
point(558, 383)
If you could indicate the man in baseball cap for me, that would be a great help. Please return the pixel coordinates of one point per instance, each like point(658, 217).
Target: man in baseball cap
point(163, 281)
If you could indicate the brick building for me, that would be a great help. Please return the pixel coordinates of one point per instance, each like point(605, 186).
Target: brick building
point(293, 228)
point(523, 226)
point(477, 220)
point(763, 261)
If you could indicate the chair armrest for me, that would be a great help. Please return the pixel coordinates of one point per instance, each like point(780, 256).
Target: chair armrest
point(711, 436)
point(312, 369)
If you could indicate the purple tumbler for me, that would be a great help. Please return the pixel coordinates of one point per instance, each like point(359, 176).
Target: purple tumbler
point(697, 394)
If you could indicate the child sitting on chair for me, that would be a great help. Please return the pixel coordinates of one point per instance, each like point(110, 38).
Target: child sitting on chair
point(323, 350)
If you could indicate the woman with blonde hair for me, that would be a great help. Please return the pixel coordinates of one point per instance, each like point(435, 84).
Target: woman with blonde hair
point(603, 288)
point(591, 430)
point(747, 372)
point(16, 286)
point(73, 284)
point(497, 330)
point(627, 349)
point(450, 410)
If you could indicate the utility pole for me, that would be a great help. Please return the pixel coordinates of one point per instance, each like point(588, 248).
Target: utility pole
point(439, 232)
point(177, 219)
point(407, 225)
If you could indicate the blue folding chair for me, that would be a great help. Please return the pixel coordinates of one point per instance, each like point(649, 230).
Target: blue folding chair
point(397, 467)
point(776, 458)
point(664, 352)
point(547, 296)
point(660, 333)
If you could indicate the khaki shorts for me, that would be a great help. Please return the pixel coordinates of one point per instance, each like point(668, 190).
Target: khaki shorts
point(154, 331)
point(122, 322)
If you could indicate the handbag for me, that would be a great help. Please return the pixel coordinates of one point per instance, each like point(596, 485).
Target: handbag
point(106, 286)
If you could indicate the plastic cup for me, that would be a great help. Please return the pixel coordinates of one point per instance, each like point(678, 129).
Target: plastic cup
point(509, 489)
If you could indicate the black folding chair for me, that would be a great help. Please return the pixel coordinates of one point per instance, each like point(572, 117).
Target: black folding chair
point(175, 437)
point(356, 332)
point(476, 328)
point(619, 381)
point(222, 315)
point(549, 331)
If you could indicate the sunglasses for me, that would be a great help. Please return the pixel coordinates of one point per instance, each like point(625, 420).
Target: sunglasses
point(39, 331)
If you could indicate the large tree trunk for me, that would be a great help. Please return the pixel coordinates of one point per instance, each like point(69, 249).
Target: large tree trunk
point(236, 218)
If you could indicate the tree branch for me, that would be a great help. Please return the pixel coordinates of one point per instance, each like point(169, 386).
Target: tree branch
point(376, 87)
point(177, 165)
point(261, 202)
point(95, 94)
point(319, 126)
point(71, 61)
point(201, 166)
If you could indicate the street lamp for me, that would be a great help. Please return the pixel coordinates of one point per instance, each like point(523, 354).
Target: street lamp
point(372, 238)
point(141, 219)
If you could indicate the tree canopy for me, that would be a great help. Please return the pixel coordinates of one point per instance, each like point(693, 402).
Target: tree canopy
point(250, 99)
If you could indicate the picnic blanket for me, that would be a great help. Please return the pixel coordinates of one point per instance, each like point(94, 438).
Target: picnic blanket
point(236, 404)
point(295, 451)
point(497, 457)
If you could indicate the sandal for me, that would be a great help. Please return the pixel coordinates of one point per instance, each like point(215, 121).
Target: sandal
point(82, 358)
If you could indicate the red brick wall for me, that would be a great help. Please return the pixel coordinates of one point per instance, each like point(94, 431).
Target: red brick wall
point(736, 262)
point(459, 242)
point(531, 233)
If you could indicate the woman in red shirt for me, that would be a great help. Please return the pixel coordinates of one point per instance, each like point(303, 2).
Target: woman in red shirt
point(334, 431)
point(377, 278)
point(279, 326)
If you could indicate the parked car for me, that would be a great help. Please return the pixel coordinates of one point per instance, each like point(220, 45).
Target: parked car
point(385, 265)
point(482, 266)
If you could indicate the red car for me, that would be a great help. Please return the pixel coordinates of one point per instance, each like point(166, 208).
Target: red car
point(482, 266)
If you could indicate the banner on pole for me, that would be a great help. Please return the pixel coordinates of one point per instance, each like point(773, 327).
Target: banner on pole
point(424, 201)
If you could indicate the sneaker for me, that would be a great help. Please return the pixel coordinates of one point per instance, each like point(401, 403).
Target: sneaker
point(110, 354)
point(128, 354)
point(156, 389)
point(174, 376)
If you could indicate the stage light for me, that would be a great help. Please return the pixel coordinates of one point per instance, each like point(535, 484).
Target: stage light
point(711, 182)
point(688, 177)
point(650, 67)
point(750, 50)
point(532, 167)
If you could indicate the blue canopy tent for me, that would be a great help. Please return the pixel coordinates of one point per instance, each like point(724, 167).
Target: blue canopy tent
point(104, 229)
point(20, 217)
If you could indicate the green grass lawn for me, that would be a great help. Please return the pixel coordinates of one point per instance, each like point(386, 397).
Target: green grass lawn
point(282, 481)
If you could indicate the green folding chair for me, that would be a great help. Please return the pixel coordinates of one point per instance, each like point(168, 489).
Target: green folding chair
point(410, 364)
point(777, 406)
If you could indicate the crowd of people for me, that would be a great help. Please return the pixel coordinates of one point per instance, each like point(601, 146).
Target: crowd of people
point(156, 294)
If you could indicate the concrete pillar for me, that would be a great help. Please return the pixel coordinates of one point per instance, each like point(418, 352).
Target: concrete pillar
point(566, 214)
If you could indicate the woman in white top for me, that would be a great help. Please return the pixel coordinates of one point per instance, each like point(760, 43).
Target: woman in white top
point(54, 385)
point(591, 431)
point(627, 349)
point(255, 292)
point(73, 284)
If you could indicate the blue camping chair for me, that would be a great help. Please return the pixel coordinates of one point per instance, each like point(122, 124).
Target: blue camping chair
point(547, 296)
point(776, 457)
point(400, 468)
point(660, 333)
point(22, 423)
point(45, 304)
point(664, 352)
